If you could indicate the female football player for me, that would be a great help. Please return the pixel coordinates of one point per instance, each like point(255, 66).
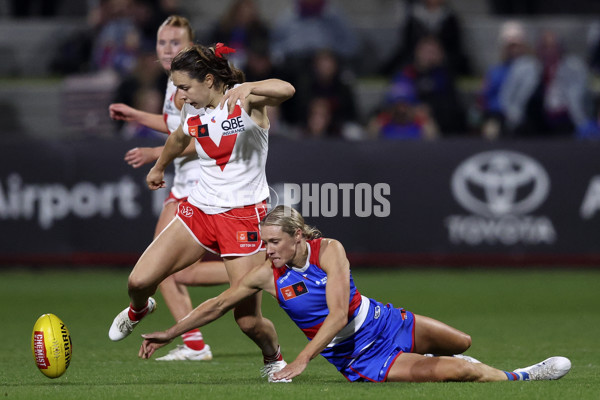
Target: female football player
point(174, 34)
point(227, 120)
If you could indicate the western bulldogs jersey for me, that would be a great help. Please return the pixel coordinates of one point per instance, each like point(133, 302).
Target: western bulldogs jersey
point(375, 334)
point(301, 294)
point(232, 150)
point(187, 168)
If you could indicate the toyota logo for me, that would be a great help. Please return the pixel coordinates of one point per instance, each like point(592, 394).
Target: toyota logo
point(498, 183)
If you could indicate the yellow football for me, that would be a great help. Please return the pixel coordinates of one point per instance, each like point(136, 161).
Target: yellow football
point(51, 345)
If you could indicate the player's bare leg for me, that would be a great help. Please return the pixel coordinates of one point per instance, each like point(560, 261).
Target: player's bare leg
point(433, 336)
point(411, 367)
point(172, 250)
point(249, 317)
point(203, 273)
point(176, 296)
point(248, 314)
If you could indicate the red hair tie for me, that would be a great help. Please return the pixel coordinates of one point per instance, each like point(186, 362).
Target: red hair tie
point(221, 49)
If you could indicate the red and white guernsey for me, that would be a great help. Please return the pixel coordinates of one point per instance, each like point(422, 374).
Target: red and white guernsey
point(232, 150)
point(187, 168)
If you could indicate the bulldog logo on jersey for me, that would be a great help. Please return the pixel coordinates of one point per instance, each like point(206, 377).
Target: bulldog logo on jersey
point(293, 291)
point(195, 129)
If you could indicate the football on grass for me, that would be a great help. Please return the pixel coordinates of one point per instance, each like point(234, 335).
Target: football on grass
point(51, 345)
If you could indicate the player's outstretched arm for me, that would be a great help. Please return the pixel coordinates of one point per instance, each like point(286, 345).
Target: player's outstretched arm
point(123, 112)
point(208, 311)
point(139, 156)
point(334, 262)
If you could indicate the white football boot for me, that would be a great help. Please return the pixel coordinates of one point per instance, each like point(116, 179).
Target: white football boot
point(122, 326)
point(182, 353)
point(549, 369)
point(270, 368)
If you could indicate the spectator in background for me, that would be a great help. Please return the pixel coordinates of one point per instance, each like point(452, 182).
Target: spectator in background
point(434, 83)
point(309, 26)
point(143, 89)
point(426, 18)
point(150, 14)
point(509, 86)
point(241, 27)
point(593, 47)
point(324, 81)
point(119, 39)
point(319, 121)
point(401, 116)
point(566, 100)
point(260, 67)
point(116, 30)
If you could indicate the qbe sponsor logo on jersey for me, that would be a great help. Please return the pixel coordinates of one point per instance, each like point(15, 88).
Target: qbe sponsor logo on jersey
point(234, 123)
point(500, 189)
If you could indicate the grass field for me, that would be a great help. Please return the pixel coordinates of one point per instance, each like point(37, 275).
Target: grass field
point(516, 318)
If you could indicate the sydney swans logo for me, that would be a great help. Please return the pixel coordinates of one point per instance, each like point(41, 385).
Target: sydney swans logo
point(500, 188)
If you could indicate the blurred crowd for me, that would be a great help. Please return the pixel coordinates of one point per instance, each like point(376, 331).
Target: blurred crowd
point(536, 89)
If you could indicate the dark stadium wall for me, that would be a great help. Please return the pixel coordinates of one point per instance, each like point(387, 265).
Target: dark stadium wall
point(450, 202)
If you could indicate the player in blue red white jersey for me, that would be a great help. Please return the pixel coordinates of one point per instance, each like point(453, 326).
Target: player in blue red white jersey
point(174, 34)
point(226, 119)
point(366, 340)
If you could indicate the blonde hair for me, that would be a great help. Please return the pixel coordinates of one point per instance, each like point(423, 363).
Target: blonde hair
point(290, 221)
point(177, 21)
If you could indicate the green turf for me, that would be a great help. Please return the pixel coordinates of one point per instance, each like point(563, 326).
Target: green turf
point(515, 317)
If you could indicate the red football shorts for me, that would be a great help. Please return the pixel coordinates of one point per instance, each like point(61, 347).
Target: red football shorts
point(229, 234)
point(171, 198)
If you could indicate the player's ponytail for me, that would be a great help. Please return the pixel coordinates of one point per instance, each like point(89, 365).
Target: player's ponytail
point(290, 220)
point(198, 61)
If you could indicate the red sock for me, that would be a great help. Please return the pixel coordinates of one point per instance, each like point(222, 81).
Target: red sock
point(275, 357)
point(136, 315)
point(193, 339)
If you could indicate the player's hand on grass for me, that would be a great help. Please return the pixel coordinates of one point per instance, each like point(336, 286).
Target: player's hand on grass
point(139, 156)
point(153, 342)
point(155, 178)
point(291, 370)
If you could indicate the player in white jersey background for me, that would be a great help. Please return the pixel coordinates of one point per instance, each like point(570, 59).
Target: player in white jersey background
point(223, 211)
point(174, 34)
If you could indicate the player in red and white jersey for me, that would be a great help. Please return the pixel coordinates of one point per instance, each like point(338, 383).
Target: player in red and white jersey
point(366, 340)
point(173, 35)
point(232, 149)
point(226, 206)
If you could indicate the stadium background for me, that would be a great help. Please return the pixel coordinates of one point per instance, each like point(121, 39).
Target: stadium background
point(67, 196)
point(74, 218)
